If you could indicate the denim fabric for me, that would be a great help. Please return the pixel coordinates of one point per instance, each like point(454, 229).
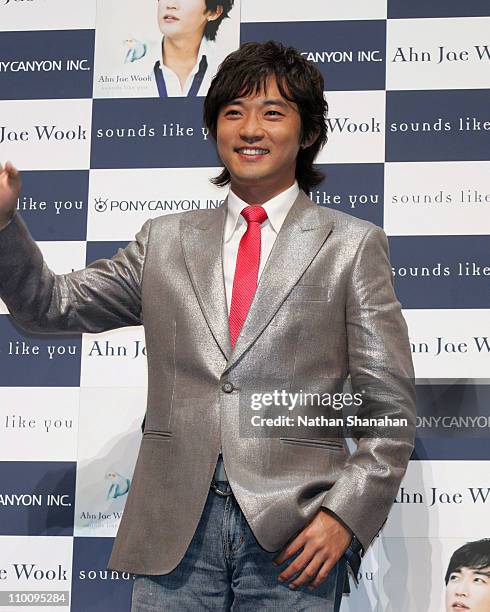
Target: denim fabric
point(353, 558)
point(225, 569)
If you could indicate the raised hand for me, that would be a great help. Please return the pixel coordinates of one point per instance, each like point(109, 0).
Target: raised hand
point(10, 185)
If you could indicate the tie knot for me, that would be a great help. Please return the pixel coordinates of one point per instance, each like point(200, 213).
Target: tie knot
point(255, 214)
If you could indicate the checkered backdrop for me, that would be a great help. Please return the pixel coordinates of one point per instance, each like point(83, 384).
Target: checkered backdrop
point(409, 132)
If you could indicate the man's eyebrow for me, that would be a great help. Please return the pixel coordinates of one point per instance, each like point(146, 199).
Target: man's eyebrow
point(480, 572)
point(275, 102)
point(235, 101)
point(268, 102)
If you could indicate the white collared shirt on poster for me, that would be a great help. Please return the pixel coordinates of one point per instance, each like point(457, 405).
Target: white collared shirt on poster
point(172, 82)
point(276, 208)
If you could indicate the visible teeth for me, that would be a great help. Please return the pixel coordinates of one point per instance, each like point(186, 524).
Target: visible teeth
point(253, 151)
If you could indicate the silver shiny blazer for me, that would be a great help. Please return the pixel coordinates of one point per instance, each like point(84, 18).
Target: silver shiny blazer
point(324, 309)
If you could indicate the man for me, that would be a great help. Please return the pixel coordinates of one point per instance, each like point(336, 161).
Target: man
point(187, 61)
point(203, 532)
point(468, 578)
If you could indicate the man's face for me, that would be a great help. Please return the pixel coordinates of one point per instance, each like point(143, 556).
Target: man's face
point(258, 138)
point(182, 17)
point(468, 589)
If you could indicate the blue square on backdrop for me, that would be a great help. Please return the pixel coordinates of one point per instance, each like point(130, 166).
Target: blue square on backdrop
point(38, 498)
point(47, 64)
point(437, 8)
point(54, 204)
point(349, 54)
point(439, 125)
point(94, 587)
point(440, 271)
point(38, 360)
point(356, 189)
point(150, 133)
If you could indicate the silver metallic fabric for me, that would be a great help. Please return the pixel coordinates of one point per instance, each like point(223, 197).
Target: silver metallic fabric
point(324, 308)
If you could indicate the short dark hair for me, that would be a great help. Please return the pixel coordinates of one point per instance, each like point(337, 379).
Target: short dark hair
point(212, 26)
point(246, 70)
point(475, 555)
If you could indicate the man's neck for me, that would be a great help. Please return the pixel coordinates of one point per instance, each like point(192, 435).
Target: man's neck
point(258, 194)
point(181, 54)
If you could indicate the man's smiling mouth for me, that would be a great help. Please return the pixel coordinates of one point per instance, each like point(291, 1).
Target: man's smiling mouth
point(252, 151)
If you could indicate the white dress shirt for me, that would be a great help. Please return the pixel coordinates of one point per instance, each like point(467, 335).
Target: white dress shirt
point(172, 82)
point(235, 226)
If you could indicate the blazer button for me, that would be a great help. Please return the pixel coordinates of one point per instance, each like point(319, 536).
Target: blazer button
point(227, 387)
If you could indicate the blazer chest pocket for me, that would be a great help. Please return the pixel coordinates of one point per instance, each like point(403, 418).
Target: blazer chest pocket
point(153, 434)
point(335, 445)
point(309, 293)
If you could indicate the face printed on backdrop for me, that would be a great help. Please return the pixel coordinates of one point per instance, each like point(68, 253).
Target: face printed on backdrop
point(182, 18)
point(168, 48)
point(468, 589)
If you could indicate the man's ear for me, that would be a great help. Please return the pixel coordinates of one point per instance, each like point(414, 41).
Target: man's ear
point(307, 142)
point(213, 15)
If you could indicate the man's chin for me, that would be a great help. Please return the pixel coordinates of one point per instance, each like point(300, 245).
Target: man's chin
point(249, 178)
point(168, 30)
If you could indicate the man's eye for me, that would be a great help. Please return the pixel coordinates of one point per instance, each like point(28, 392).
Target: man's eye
point(275, 113)
point(231, 112)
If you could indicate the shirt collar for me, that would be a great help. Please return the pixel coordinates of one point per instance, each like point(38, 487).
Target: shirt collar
point(276, 208)
point(203, 50)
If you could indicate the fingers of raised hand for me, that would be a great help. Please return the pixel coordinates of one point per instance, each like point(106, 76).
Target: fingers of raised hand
point(10, 170)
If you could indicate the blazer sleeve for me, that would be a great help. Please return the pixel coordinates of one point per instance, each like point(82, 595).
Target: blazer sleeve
point(105, 295)
point(380, 367)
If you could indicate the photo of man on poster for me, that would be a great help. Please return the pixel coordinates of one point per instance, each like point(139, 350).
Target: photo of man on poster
point(189, 29)
point(162, 48)
point(468, 578)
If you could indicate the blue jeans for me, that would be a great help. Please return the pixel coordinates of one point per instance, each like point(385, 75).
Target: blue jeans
point(225, 569)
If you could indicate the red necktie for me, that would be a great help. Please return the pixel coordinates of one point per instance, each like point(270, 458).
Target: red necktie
point(247, 269)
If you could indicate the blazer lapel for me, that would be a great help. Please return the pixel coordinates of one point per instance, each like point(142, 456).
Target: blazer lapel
point(202, 245)
point(302, 234)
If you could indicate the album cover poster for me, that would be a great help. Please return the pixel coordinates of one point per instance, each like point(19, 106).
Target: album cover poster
point(162, 48)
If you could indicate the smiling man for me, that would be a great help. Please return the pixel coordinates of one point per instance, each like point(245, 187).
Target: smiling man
point(468, 578)
point(264, 165)
point(267, 291)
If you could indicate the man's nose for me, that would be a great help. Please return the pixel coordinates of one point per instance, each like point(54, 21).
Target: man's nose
point(250, 129)
point(462, 590)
